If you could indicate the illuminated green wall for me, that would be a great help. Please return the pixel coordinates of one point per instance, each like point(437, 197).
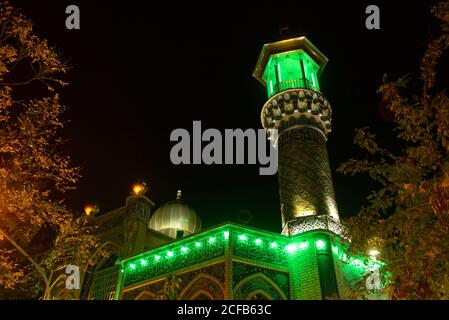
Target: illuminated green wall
point(292, 69)
point(309, 266)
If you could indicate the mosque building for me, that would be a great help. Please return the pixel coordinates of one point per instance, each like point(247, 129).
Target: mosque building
point(165, 254)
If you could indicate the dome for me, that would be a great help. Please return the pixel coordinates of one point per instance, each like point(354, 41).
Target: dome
point(175, 219)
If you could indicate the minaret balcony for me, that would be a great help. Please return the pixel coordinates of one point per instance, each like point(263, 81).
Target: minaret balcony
point(292, 84)
point(315, 222)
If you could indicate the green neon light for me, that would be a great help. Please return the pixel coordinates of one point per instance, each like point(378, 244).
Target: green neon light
point(259, 247)
point(279, 72)
point(292, 69)
point(357, 263)
point(290, 248)
point(320, 244)
point(247, 243)
point(303, 245)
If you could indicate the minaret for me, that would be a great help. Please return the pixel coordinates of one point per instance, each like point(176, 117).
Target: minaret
point(290, 70)
point(135, 226)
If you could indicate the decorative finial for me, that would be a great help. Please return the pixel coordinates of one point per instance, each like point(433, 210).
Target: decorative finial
point(178, 195)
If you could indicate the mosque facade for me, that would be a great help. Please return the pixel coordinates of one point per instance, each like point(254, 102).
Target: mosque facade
point(165, 254)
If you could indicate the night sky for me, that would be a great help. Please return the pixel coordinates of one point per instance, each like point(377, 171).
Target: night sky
point(142, 69)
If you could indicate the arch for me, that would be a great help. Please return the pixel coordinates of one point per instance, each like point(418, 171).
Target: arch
point(146, 295)
point(203, 283)
point(260, 292)
point(201, 293)
point(114, 252)
point(258, 283)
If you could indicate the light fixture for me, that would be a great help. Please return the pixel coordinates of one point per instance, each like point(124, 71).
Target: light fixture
point(139, 188)
point(320, 244)
point(170, 254)
point(357, 263)
point(132, 266)
point(303, 245)
point(157, 258)
point(211, 239)
point(258, 241)
point(373, 253)
point(226, 234)
point(143, 262)
point(274, 245)
point(184, 249)
point(90, 209)
point(242, 237)
point(290, 248)
point(198, 244)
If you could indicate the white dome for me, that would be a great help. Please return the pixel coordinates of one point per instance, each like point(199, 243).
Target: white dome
point(175, 218)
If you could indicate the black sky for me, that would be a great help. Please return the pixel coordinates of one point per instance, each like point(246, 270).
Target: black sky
point(144, 68)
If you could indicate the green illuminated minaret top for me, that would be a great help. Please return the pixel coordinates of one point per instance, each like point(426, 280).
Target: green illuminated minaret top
point(291, 63)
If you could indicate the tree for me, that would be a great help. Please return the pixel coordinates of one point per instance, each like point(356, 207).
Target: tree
point(407, 218)
point(38, 233)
